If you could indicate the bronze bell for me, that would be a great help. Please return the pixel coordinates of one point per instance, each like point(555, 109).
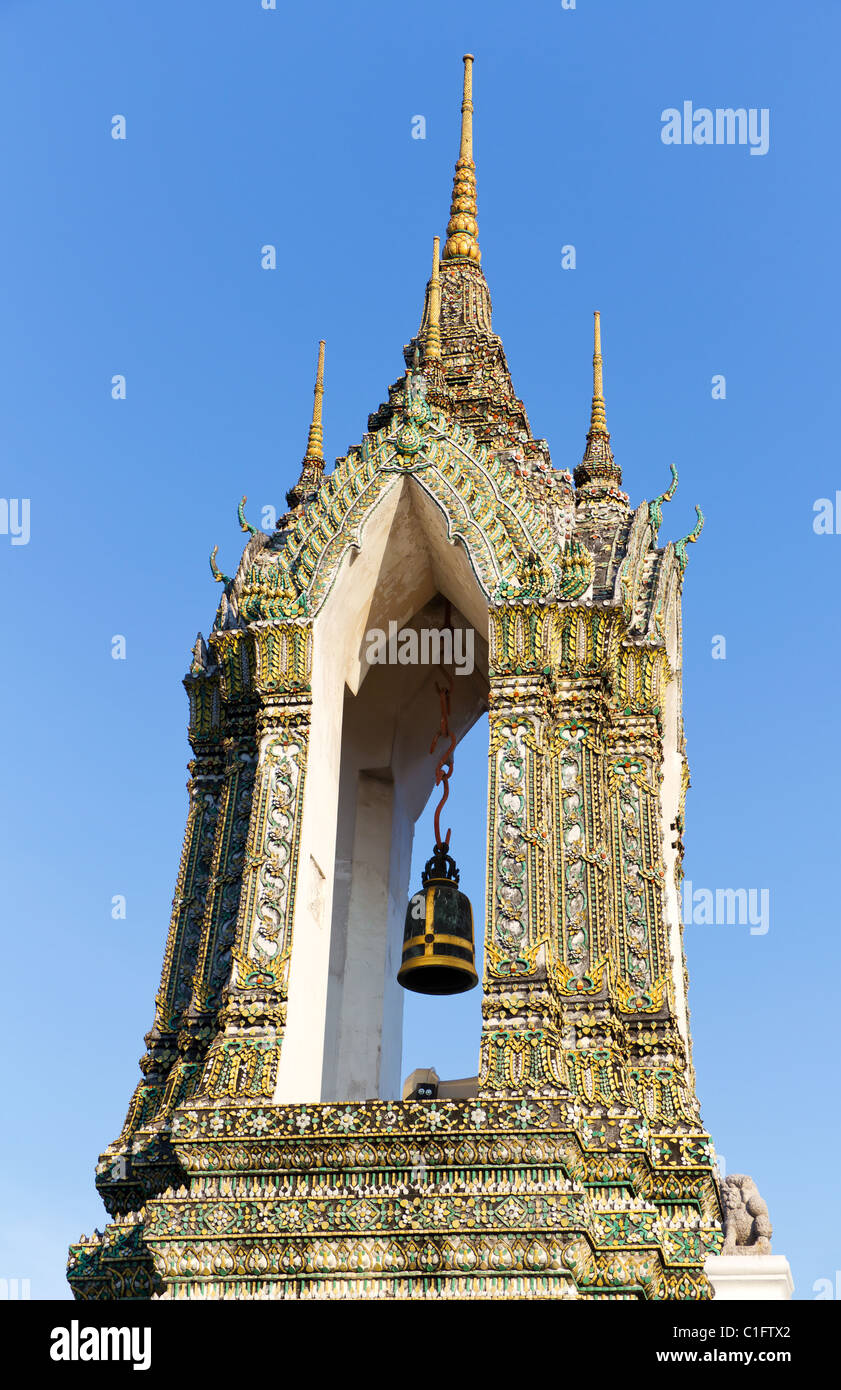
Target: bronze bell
point(438, 951)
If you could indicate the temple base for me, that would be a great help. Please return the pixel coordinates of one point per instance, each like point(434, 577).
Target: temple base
point(525, 1197)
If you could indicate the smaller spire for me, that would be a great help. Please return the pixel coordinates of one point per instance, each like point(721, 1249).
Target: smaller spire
point(598, 468)
point(466, 147)
point(315, 439)
point(463, 229)
point(312, 465)
point(598, 419)
point(437, 393)
point(432, 342)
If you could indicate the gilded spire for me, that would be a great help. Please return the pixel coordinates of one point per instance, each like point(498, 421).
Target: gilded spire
point(466, 148)
point(315, 440)
point(598, 469)
point(312, 465)
point(598, 419)
point(432, 342)
point(463, 229)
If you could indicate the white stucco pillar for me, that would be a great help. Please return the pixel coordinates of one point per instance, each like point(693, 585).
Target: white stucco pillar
point(749, 1277)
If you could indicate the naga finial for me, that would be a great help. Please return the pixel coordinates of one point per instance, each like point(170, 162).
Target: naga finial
point(243, 524)
point(462, 229)
point(199, 657)
point(655, 508)
point(215, 570)
point(680, 546)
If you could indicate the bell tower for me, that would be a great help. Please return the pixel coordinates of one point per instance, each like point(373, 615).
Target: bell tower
point(267, 1152)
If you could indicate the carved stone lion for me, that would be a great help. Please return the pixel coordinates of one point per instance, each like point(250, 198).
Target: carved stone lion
point(747, 1225)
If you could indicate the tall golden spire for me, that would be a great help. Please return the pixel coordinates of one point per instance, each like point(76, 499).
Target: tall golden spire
point(315, 439)
point(432, 343)
point(312, 465)
point(598, 419)
point(598, 469)
point(463, 229)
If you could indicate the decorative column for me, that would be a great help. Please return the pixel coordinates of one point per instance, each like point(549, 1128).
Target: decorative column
point(234, 651)
point(520, 1048)
point(581, 973)
point(243, 1057)
point(120, 1177)
point(647, 977)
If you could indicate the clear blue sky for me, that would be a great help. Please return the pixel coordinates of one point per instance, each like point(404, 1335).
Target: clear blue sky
point(141, 257)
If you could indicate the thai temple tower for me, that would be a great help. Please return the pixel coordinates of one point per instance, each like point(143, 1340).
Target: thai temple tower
point(268, 1151)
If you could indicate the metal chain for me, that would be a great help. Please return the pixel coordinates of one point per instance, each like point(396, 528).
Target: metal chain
point(444, 767)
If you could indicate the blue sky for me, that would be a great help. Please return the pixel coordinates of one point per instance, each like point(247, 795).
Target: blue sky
point(141, 257)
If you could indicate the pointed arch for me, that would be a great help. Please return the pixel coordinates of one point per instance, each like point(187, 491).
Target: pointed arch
point(509, 545)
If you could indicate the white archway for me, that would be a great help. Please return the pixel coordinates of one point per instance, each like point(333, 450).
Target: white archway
point(369, 776)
